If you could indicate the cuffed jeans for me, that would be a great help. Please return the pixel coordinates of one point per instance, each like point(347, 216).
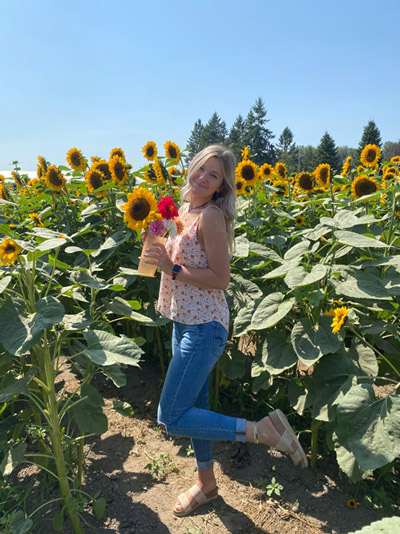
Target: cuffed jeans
point(184, 404)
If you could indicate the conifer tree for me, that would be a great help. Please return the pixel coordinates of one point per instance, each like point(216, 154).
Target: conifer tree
point(327, 153)
point(257, 136)
point(235, 137)
point(194, 139)
point(287, 151)
point(214, 132)
point(371, 136)
point(306, 158)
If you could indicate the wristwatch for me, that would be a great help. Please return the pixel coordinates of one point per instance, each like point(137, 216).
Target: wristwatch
point(176, 270)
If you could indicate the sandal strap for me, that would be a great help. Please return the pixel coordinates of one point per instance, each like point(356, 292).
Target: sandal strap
point(186, 505)
point(197, 494)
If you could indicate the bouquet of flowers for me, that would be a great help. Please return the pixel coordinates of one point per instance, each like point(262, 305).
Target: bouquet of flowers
point(167, 222)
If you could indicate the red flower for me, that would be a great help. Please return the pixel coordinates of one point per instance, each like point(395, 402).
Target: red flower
point(167, 208)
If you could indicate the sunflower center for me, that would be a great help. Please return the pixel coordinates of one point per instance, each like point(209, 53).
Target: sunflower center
point(172, 152)
point(151, 174)
point(96, 180)
point(365, 187)
point(248, 172)
point(306, 182)
point(239, 185)
point(371, 155)
point(281, 171)
point(150, 151)
point(54, 178)
point(105, 169)
point(119, 171)
point(324, 175)
point(75, 158)
point(139, 209)
point(9, 249)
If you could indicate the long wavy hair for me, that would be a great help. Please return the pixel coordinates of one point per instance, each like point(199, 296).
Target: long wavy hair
point(225, 199)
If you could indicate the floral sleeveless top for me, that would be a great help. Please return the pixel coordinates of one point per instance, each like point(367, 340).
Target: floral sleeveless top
point(183, 302)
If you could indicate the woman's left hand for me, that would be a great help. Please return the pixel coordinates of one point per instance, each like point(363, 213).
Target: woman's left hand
point(157, 255)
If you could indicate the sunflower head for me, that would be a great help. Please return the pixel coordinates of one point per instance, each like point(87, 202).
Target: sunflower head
point(281, 170)
point(43, 163)
point(36, 219)
point(395, 159)
point(338, 318)
point(117, 152)
point(103, 166)
point(352, 503)
point(323, 174)
point(54, 178)
point(172, 151)
point(247, 171)
point(282, 188)
point(76, 160)
point(364, 185)
point(118, 170)
point(140, 209)
point(370, 155)
point(240, 186)
point(245, 153)
point(267, 172)
point(299, 220)
point(9, 251)
point(159, 170)
point(346, 166)
point(150, 150)
point(95, 180)
point(305, 181)
point(150, 176)
point(3, 192)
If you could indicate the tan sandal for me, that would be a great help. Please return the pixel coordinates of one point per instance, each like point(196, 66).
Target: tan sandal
point(199, 497)
point(288, 439)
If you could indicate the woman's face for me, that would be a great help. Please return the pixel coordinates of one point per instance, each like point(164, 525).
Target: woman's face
point(208, 178)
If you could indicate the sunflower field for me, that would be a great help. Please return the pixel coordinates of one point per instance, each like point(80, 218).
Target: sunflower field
point(314, 300)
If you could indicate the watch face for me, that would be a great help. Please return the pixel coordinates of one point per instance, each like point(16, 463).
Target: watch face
point(176, 268)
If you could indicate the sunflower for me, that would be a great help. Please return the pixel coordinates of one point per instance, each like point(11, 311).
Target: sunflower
point(304, 199)
point(338, 320)
point(240, 186)
point(36, 219)
point(118, 170)
point(281, 170)
point(390, 172)
point(364, 185)
point(102, 166)
point(33, 181)
point(304, 181)
point(352, 503)
point(245, 153)
point(150, 176)
point(117, 152)
point(266, 172)
point(140, 209)
point(54, 178)
point(323, 174)
point(247, 171)
point(76, 160)
point(361, 169)
point(395, 159)
point(94, 159)
point(370, 155)
point(3, 192)
point(157, 168)
point(282, 187)
point(9, 251)
point(346, 166)
point(149, 150)
point(299, 220)
point(43, 163)
point(172, 151)
point(174, 176)
point(95, 180)
point(19, 182)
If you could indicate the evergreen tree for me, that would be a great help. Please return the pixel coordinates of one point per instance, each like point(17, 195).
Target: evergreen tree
point(287, 151)
point(327, 152)
point(257, 136)
point(214, 132)
point(370, 136)
point(235, 137)
point(194, 139)
point(306, 158)
point(390, 150)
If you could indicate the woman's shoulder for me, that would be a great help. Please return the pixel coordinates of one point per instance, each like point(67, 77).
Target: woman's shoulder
point(212, 211)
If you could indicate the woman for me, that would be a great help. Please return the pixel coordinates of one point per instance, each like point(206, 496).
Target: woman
point(195, 272)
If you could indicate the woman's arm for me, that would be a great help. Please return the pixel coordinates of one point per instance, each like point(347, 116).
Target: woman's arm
point(212, 234)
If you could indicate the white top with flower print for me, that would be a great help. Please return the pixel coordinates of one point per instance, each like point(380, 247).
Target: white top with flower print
point(183, 302)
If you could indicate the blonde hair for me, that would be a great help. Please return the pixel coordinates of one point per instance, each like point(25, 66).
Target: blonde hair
point(225, 199)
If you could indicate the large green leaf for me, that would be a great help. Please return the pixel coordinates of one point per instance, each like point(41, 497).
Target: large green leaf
point(370, 426)
point(312, 342)
point(362, 285)
point(299, 277)
point(391, 281)
point(88, 413)
point(271, 310)
point(119, 306)
point(12, 458)
point(77, 321)
point(297, 250)
point(15, 385)
point(49, 244)
point(105, 349)
point(282, 270)
point(4, 283)
point(233, 364)
point(363, 359)
point(387, 525)
point(358, 240)
point(109, 246)
point(242, 247)
point(347, 461)
point(277, 353)
point(19, 524)
point(20, 331)
point(84, 279)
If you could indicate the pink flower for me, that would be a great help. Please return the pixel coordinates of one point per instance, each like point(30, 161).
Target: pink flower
point(167, 208)
point(157, 228)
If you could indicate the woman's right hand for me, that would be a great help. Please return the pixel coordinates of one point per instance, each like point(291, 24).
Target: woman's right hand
point(143, 235)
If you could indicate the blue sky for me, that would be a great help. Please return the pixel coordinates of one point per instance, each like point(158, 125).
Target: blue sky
point(97, 74)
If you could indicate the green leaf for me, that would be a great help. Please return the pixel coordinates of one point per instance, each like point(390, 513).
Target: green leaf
point(358, 240)
point(347, 461)
point(364, 359)
point(298, 276)
point(19, 331)
point(234, 364)
point(99, 507)
point(370, 426)
point(88, 413)
point(311, 343)
point(277, 353)
point(271, 310)
point(263, 381)
point(20, 525)
point(49, 244)
point(58, 522)
point(387, 525)
point(282, 270)
point(362, 285)
point(15, 385)
point(115, 373)
point(84, 279)
point(297, 251)
point(77, 321)
point(121, 307)
point(4, 283)
point(124, 408)
point(12, 458)
point(242, 247)
point(106, 349)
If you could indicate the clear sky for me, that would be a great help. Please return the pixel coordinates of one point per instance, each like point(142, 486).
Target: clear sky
point(99, 74)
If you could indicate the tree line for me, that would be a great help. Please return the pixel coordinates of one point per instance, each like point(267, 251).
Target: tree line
point(253, 132)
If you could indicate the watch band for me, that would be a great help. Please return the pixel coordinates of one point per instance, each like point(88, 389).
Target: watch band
point(176, 270)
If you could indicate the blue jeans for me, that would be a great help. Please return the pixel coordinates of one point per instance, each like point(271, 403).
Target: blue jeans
point(184, 404)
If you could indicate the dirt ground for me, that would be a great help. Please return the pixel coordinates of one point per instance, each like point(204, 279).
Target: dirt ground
point(312, 501)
